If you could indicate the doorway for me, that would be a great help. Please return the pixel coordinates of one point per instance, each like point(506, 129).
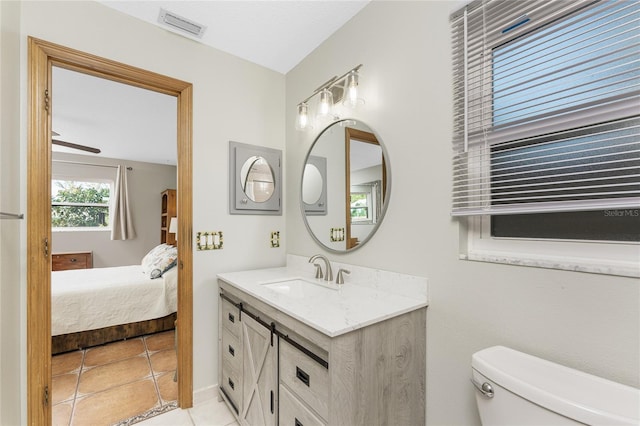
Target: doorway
point(42, 57)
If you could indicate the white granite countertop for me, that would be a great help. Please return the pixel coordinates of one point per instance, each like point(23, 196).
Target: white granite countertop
point(361, 301)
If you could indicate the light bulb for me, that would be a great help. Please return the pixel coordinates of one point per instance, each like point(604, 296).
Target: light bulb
point(302, 120)
point(351, 98)
point(326, 101)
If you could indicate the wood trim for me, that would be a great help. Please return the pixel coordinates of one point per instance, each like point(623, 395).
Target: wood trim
point(347, 188)
point(185, 253)
point(38, 231)
point(42, 56)
point(362, 136)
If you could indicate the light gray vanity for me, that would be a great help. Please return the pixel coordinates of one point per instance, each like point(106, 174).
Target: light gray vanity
point(300, 351)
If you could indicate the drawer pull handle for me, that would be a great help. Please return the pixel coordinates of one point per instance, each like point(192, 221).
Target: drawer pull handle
point(232, 351)
point(298, 423)
point(231, 317)
point(231, 384)
point(73, 259)
point(302, 376)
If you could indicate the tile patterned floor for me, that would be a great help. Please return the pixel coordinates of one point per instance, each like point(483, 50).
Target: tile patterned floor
point(107, 384)
point(206, 413)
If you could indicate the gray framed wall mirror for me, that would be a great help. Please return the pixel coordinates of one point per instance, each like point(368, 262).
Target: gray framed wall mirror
point(345, 185)
point(255, 179)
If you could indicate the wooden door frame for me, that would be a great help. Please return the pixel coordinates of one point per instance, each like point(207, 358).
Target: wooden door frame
point(360, 136)
point(42, 56)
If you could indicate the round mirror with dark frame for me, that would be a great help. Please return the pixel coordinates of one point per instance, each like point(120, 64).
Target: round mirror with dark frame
point(349, 159)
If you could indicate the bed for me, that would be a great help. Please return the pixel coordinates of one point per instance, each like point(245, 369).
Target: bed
point(94, 306)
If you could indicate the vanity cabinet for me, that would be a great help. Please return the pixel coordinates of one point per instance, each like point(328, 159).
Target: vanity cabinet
point(374, 375)
point(231, 355)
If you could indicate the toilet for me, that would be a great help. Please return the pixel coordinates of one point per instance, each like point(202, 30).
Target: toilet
point(513, 388)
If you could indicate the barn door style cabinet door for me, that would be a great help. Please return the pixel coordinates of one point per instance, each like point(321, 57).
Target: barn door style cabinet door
point(248, 366)
point(260, 374)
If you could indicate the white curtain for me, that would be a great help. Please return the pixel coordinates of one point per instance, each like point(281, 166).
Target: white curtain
point(121, 220)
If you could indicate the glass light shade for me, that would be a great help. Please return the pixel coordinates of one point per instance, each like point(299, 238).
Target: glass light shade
point(351, 91)
point(326, 102)
point(302, 119)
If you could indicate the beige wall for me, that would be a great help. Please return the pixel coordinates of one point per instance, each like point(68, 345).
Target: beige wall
point(232, 100)
point(11, 231)
point(145, 183)
point(586, 321)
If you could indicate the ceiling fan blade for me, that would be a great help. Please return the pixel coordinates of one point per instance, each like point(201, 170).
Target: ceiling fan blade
point(75, 146)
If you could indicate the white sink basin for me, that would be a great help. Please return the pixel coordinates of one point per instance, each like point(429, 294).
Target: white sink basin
point(299, 288)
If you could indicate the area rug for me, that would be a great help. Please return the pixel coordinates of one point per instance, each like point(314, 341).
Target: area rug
point(147, 415)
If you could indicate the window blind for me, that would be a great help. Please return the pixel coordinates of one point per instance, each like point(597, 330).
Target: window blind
point(546, 106)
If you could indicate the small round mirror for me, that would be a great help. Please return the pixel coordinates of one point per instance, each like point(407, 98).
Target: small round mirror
point(257, 179)
point(345, 186)
point(311, 184)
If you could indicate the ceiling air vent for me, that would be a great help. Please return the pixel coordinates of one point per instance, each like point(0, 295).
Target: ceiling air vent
point(181, 24)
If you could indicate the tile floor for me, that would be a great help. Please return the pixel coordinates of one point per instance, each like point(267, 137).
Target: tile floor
point(206, 413)
point(107, 384)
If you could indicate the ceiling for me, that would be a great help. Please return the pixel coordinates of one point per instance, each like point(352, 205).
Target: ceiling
point(275, 34)
point(124, 122)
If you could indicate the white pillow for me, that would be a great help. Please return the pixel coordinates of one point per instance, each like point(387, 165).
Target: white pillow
point(159, 260)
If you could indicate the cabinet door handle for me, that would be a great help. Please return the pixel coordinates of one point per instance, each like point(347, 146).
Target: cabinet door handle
point(231, 317)
point(272, 407)
point(298, 423)
point(231, 384)
point(232, 351)
point(302, 376)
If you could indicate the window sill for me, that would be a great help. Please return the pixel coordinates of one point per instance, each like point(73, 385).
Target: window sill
point(565, 264)
point(54, 230)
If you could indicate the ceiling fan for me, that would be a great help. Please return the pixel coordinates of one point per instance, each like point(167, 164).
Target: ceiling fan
point(73, 145)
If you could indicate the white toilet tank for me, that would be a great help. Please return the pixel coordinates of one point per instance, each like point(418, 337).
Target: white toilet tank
point(532, 391)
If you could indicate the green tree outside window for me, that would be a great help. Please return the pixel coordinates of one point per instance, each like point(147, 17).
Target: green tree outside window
point(77, 204)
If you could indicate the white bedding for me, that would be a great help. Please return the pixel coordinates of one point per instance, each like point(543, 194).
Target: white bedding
point(88, 299)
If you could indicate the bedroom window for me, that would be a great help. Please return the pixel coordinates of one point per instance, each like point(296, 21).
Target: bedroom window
point(80, 205)
point(547, 132)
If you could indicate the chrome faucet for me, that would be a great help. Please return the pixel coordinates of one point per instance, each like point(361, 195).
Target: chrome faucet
point(329, 273)
point(340, 277)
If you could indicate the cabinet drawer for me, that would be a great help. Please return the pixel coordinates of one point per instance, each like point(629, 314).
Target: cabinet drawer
point(294, 413)
point(232, 386)
point(231, 317)
point(231, 350)
point(66, 261)
point(306, 378)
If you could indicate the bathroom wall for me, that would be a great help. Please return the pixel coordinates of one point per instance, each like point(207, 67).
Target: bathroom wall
point(586, 321)
point(11, 230)
point(145, 183)
point(232, 100)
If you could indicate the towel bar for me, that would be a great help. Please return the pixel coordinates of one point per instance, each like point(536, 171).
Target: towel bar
point(4, 215)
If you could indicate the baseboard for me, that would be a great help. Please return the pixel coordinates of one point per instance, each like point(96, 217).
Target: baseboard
point(205, 394)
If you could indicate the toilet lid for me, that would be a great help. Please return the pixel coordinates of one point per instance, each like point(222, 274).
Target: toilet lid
point(580, 396)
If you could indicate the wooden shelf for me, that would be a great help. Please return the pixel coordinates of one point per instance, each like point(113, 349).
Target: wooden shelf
point(168, 211)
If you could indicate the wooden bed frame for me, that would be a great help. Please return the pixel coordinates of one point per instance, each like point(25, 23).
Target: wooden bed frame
point(85, 339)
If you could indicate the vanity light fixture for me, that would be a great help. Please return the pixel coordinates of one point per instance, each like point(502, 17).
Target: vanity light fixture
point(351, 98)
point(302, 119)
point(326, 102)
point(337, 89)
